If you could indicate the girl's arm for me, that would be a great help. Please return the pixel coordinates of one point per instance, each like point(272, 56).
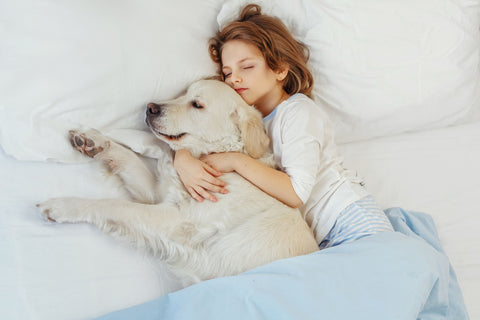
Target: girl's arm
point(274, 182)
point(197, 176)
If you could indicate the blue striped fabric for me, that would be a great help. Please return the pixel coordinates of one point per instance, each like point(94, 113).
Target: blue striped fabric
point(362, 218)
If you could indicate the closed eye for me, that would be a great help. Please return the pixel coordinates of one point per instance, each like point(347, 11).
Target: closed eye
point(196, 105)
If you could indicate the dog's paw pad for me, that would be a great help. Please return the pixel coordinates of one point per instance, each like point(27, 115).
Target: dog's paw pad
point(86, 143)
point(89, 143)
point(77, 141)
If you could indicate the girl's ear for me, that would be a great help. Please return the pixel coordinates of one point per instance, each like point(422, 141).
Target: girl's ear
point(282, 73)
point(250, 123)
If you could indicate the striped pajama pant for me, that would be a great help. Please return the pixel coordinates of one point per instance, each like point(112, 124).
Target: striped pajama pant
point(362, 218)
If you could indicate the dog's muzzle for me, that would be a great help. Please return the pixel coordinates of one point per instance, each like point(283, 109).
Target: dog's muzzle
point(154, 111)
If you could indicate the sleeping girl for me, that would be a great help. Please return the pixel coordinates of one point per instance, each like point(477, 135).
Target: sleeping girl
point(259, 58)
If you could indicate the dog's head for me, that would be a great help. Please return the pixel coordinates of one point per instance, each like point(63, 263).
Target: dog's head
point(209, 117)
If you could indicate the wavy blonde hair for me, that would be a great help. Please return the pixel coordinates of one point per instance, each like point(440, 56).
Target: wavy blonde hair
point(275, 42)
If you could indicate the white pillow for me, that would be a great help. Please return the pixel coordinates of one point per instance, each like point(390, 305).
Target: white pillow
point(381, 67)
point(386, 67)
point(67, 64)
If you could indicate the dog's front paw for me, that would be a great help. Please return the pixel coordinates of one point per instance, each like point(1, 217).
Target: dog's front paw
point(89, 143)
point(59, 210)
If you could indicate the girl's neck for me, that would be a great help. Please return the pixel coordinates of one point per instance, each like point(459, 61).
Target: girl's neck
point(271, 102)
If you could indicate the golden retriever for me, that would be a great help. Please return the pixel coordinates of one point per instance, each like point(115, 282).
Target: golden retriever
point(246, 228)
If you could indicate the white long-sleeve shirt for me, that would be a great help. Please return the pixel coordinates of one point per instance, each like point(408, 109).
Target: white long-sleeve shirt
point(303, 145)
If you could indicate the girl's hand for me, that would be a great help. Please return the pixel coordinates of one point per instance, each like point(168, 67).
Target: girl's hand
point(197, 176)
point(223, 162)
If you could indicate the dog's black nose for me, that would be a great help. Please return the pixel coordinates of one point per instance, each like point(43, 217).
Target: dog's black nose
point(153, 108)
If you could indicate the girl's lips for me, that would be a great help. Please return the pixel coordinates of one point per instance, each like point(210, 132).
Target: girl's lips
point(240, 90)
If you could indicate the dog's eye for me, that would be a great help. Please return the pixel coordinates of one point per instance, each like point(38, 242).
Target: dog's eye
point(196, 105)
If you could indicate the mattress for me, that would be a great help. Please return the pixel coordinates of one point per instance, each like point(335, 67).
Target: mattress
point(54, 271)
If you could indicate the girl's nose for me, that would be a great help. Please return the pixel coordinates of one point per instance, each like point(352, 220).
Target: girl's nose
point(235, 78)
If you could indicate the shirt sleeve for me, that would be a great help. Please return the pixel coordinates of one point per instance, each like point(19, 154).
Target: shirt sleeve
point(301, 133)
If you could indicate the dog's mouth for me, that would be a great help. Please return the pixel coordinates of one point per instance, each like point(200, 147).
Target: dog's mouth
point(169, 137)
point(172, 137)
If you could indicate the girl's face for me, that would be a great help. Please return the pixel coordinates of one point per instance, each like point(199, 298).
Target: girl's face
point(247, 72)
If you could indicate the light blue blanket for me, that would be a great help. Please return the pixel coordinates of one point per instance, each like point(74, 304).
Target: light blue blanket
point(397, 275)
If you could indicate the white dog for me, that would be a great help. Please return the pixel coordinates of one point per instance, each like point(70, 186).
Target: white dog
point(246, 228)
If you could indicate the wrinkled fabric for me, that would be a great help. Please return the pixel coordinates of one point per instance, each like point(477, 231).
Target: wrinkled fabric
point(392, 275)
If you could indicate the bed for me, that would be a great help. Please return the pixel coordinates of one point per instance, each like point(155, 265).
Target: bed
point(399, 79)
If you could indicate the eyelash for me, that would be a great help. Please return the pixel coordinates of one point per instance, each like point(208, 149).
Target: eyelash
point(229, 74)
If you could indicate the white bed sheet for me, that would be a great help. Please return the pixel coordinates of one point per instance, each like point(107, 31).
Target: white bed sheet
point(54, 271)
point(435, 172)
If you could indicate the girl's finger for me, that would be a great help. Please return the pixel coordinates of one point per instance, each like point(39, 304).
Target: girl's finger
point(212, 171)
point(207, 185)
point(194, 194)
point(201, 191)
point(214, 181)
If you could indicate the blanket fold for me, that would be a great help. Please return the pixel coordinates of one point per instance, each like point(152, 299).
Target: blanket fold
point(394, 275)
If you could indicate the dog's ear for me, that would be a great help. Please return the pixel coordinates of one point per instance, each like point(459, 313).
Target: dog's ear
point(252, 132)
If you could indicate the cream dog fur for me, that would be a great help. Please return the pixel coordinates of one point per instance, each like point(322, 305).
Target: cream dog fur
point(246, 228)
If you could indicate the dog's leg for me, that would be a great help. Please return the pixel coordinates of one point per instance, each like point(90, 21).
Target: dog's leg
point(139, 181)
point(160, 229)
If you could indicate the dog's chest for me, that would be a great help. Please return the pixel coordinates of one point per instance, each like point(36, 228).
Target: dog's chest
point(242, 202)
